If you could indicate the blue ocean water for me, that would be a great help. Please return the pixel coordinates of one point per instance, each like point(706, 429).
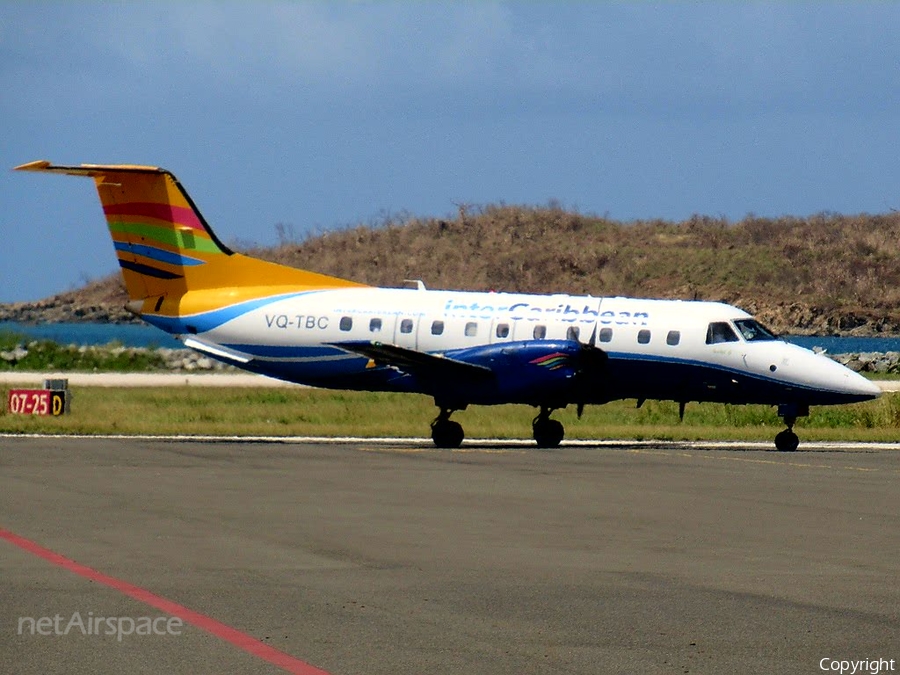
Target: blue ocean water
point(142, 335)
point(130, 335)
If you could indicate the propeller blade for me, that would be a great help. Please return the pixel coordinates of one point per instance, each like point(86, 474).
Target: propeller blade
point(591, 368)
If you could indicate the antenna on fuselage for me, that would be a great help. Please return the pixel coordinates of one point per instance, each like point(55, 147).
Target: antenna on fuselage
point(420, 285)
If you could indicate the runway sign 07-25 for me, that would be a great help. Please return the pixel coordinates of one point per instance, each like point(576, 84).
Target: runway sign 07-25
point(36, 402)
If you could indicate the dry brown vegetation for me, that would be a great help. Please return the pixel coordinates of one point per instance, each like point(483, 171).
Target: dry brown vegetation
point(826, 273)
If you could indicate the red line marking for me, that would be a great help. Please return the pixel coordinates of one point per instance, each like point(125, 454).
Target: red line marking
point(237, 638)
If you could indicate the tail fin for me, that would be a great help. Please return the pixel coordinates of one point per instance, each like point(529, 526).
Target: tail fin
point(166, 249)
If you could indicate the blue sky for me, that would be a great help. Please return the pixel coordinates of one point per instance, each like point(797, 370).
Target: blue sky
point(327, 114)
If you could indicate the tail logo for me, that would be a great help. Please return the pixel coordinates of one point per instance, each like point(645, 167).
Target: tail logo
point(152, 238)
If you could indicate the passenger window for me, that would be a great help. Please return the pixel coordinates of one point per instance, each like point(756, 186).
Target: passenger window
point(720, 331)
point(375, 325)
point(502, 330)
point(643, 336)
point(673, 337)
point(406, 326)
point(605, 335)
point(540, 332)
point(572, 333)
point(346, 323)
point(437, 328)
point(471, 329)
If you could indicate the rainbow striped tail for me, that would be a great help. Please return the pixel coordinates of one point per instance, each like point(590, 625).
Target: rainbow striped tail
point(172, 262)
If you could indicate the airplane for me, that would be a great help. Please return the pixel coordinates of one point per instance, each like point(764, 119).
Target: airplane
point(459, 347)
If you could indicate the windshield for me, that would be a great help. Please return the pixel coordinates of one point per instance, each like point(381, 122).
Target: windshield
point(753, 331)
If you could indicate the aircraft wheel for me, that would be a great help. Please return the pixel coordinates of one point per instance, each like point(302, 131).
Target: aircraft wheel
point(786, 441)
point(548, 433)
point(447, 434)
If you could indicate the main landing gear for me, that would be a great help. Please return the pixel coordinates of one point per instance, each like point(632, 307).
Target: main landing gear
point(445, 432)
point(547, 433)
point(787, 440)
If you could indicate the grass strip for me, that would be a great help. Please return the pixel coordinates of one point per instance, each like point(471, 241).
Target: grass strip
point(315, 412)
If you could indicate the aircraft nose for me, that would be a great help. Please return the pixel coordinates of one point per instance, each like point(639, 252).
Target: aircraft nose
point(855, 385)
point(847, 386)
point(863, 387)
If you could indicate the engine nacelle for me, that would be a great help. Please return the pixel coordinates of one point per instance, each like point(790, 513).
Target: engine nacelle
point(536, 372)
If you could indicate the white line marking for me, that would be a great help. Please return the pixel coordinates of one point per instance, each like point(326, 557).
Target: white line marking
point(480, 442)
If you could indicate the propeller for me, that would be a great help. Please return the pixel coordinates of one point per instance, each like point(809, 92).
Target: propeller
point(592, 363)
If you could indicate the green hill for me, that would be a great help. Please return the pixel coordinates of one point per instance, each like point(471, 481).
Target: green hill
point(823, 274)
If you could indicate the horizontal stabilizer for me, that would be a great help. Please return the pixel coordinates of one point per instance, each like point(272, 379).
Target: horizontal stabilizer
point(86, 169)
point(415, 362)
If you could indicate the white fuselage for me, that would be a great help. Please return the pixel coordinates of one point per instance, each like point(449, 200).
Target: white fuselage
point(292, 336)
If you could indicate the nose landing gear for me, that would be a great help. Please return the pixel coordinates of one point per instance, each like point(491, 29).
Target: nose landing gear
point(787, 440)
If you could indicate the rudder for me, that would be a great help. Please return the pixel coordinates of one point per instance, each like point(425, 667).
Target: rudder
point(165, 247)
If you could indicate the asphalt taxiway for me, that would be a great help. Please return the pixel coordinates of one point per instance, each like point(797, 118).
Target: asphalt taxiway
point(352, 558)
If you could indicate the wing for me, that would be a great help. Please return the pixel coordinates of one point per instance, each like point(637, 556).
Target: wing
point(420, 364)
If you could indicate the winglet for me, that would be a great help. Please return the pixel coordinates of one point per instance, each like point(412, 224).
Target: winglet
point(39, 165)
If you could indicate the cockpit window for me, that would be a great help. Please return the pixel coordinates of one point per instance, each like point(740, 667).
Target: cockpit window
point(720, 331)
point(753, 330)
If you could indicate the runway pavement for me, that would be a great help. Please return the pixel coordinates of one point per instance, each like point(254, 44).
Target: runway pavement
point(359, 558)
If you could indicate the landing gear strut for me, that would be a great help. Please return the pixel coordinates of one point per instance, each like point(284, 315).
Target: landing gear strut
point(445, 432)
point(547, 433)
point(787, 441)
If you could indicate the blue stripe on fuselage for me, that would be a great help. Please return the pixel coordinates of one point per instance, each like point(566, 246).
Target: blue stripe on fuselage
point(666, 378)
point(747, 387)
point(206, 321)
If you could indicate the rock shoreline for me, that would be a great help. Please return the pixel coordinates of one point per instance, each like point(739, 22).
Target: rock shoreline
point(170, 359)
point(55, 311)
point(881, 363)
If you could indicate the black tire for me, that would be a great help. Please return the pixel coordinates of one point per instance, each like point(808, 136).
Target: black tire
point(447, 434)
point(786, 441)
point(548, 433)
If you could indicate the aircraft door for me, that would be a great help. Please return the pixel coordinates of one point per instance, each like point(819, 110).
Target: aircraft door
point(527, 329)
point(406, 330)
point(439, 332)
point(382, 329)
